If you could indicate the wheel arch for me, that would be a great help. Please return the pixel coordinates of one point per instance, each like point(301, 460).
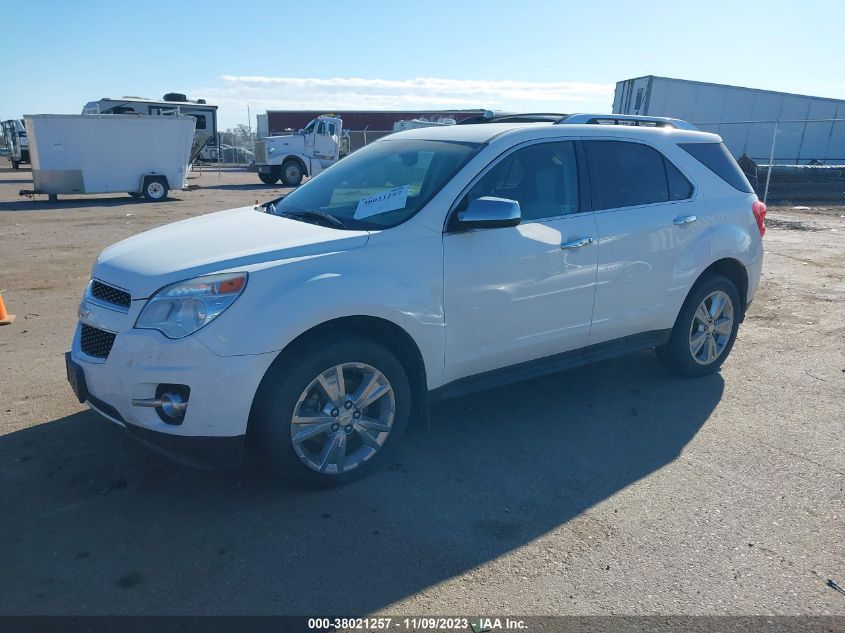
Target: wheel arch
point(734, 270)
point(392, 336)
point(148, 177)
point(298, 159)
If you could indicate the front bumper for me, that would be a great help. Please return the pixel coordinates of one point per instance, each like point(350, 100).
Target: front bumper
point(222, 389)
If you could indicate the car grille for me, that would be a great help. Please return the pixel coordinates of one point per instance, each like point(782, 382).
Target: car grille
point(96, 342)
point(110, 294)
point(260, 152)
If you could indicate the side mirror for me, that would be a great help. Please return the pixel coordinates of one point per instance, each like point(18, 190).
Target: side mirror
point(489, 212)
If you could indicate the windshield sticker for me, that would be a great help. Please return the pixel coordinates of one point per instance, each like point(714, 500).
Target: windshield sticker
point(383, 202)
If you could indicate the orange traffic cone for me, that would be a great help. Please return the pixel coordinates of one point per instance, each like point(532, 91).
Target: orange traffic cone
point(5, 317)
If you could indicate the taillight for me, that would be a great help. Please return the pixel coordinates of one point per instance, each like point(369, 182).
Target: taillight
point(759, 210)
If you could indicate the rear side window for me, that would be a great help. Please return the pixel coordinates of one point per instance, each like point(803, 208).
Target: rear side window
point(679, 187)
point(717, 158)
point(625, 174)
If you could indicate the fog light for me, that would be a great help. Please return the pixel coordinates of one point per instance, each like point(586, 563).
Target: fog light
point(172, 405)
point(174, 402)
point(171, 402)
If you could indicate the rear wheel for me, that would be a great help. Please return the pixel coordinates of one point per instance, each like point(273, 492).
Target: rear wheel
point(705, 330)
point(269, 178)
point(291, 173)
point(334, 414)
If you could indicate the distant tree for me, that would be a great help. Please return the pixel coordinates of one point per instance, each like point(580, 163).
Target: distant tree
point(244, 133)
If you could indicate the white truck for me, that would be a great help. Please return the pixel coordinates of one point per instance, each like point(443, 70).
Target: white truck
point(290, 157)
point(142, 155)
point(14, 135)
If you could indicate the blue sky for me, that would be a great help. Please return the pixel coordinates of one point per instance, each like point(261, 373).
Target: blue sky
point(530, 56)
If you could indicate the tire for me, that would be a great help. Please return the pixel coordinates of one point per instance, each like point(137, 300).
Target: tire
point(699, 346)
point(155, 189)
point(16, 164)
point(291, 173)
point(269, 179)
point(290, 391)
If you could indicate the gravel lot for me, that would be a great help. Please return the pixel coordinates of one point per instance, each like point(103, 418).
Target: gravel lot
point(611, 489)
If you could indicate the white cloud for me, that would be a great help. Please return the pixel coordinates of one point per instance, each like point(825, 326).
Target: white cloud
point(354, 93)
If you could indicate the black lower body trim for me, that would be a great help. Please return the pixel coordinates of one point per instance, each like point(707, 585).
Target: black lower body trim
point(551, 364)
point(205, 452)
point(104, 407)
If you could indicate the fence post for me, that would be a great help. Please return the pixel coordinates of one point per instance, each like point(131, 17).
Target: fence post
point(771, 159)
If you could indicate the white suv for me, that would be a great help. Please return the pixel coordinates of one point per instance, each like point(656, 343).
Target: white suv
point(430, 263)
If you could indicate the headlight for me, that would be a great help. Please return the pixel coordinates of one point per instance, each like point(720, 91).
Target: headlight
point(182, 308)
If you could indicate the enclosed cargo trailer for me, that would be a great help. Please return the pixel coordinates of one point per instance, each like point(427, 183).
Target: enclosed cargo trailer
point(84, 153)
point(799, 128)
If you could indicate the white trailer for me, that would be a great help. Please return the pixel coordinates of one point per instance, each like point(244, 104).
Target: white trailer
point(206, 138)
point(762, 124)
point(144, 156)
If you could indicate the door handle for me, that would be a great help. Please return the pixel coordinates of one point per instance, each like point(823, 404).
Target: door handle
point(577, 243)
point(684, 219)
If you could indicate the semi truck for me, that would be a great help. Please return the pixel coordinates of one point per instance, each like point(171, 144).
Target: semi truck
point(14, 136)
point(291, 157)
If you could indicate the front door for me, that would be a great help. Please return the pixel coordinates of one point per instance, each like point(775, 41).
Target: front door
point(326, 141)
point(520, 293)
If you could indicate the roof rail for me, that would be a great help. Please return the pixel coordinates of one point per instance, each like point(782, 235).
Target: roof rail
point(627, 119)
point(513, 117)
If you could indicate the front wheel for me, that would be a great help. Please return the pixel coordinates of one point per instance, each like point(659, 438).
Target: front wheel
point(705, 330)
point(333, 412)
point(268, 178)
point(292, 173)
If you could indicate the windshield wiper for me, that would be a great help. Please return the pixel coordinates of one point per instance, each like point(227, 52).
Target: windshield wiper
point(314, 215)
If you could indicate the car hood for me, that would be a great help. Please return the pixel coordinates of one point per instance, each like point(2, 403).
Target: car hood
point(234, 239)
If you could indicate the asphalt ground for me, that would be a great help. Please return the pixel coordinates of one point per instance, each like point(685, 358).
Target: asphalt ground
point(613, 489)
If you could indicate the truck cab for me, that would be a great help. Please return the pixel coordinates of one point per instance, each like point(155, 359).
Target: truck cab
point(14, 135)
point(290, 157)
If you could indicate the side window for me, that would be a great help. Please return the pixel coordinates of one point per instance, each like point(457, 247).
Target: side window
point(200, 121)
point(717, 158)
point(679, 187)
point(543, 178)
point(625, 174)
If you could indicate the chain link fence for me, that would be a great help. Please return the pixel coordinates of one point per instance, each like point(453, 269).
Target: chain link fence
point(789, 162)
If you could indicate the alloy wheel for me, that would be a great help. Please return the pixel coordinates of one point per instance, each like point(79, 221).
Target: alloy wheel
point(711, 327)
point(342, 418)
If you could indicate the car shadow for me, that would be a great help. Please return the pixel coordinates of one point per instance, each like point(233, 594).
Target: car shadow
point(95, 524)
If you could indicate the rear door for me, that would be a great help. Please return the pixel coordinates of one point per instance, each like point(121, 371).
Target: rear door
point(514, 294)
point(646, 212)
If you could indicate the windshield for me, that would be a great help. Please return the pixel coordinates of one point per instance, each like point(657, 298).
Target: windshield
point(380, 185)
